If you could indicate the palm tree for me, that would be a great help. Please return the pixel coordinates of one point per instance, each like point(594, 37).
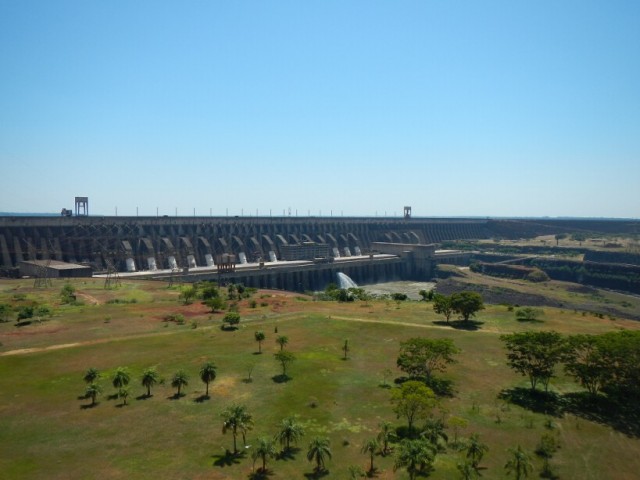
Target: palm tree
point(236, 418)
point(371, 446)
point(386, 435)
point(355, 472)
point(259, 336)
point(519, 463)
point(265, 449)
point(433, 431)
point(121, 378)
point(282, 340)
point(290, 431)
point(476, 450)
point(92, 391)
point(415, 455)
point(91, 376)
point(318, 450)
point(123, 393)
point(467, 471)
point(208, 374)
point(149, 378)
point(179, 380)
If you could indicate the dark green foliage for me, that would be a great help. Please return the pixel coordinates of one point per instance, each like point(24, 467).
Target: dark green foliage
point(25, 312)
point(535, 354)
point(399, 297)
point(413, 400)
point(442, 305)
point(285, 359)
point(319, 450)
point(232, 319)
point(68, 294)
point(466, 304)
point(529, 314)
point(91, 376)
point(208, 374)
point(421, 357)
point(5, 311)
point(417, 456)
point(180, 379)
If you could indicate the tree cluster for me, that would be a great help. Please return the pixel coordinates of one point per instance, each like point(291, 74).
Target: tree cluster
point(465, 304)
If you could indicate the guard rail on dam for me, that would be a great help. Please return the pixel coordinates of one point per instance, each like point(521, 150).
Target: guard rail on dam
point(156, 243)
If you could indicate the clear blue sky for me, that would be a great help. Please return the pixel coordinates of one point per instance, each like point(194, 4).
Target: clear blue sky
point(489, 108)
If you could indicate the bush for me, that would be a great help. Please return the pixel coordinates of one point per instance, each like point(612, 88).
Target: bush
point(231, 318)
point(537, 276)
point(529, 314)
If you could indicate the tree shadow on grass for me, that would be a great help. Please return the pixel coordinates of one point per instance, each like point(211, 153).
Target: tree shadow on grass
point(113, 396)
point(619, 415)
point(227, 459)
point(317, 474)
point(89, 406)
point(260, 474)
point(202, 398)
point(143, 397)
point(281, 378)
point(176, 396)
point(469, 325)
point(547, 403)
point(289, 454)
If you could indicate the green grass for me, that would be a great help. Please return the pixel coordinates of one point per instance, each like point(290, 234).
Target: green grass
point(45, 433)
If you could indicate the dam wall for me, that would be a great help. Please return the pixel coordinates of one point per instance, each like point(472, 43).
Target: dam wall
point(130, 244)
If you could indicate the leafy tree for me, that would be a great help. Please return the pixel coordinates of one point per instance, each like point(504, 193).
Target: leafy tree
point(282, 340)
point(149, 379)
point(528, 314)
point(68, 293)
point(457, 423)
point(578, 237)
point(236, 419)
point(264, 449)
point(560, 236)
point(5, 311)
point(413, 400)
point(285, 358)
point(208, 374)
point(91, 376)
point(215, 304)
point(466, 304)
point(415, 455)
point(25, 312)
point(290, 431)
point(519, 464)
point(547, 446)
point(92, 391)
point(187, 294)
point(385, 436)
point(476, 450)
point(420, 357)
point(318, 450)
point(442, 306)
point(370, 447)
point(232, 318)
point(180, 379)
point(535, 354)
point(259, 336)
point(209, 291)
point(121, 378)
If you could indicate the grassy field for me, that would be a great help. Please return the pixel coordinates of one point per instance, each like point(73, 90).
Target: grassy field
point(47, 431)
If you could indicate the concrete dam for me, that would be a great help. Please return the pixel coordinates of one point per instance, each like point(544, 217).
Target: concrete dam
point(260, 251)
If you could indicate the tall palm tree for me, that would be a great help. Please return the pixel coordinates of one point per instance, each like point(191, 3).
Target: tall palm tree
point(236, 418)
point(264, 449)
point(433, 431)
point(149, 378)
point(290, 431)
point(519, 463)
point(476, 450)
point(123, 393)
point(121, 378)
point(208, 374)
point(92, 391)
point(282, 340)
point(259, 336)
point(179, 380)
point(415, 455)
point(467, 471)
point(91, 376)
point(318, 450)
point(386, 435)
point(370, 447)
